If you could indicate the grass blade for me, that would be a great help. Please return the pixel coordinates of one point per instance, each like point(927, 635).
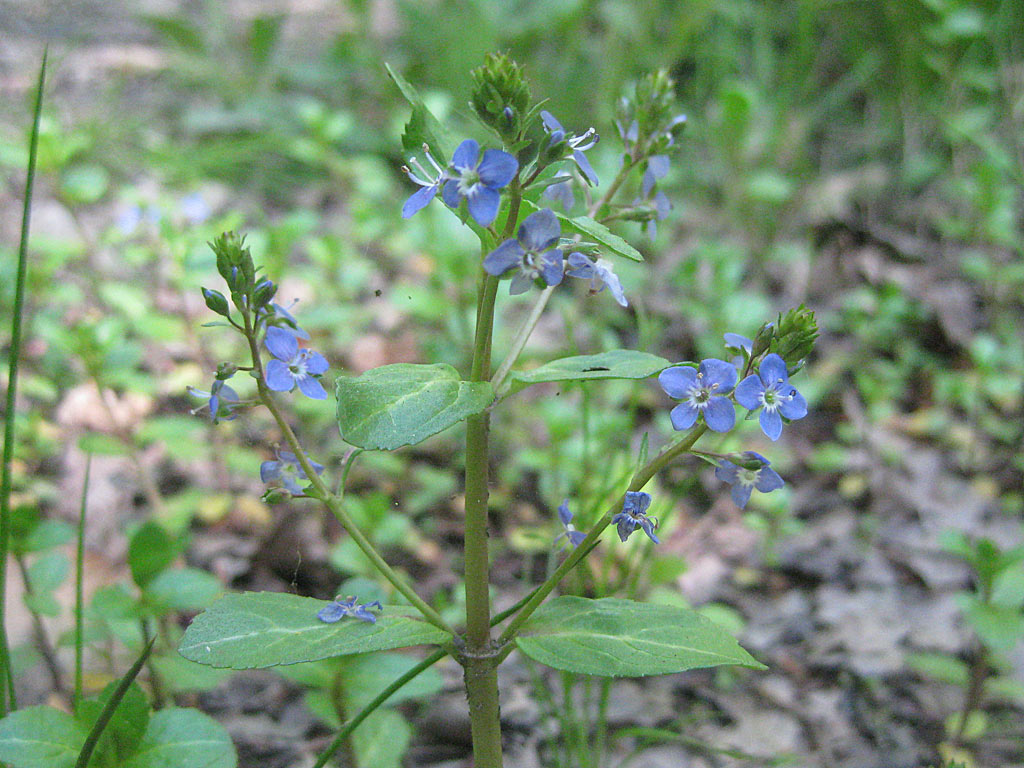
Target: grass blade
point(111, 706)
point(7, 696)
point(79, 574)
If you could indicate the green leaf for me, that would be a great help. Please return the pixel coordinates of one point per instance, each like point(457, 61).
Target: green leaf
point(366, 676)
point(616, 364)
point(40, 737)
point(404, 404)
point(621, 638)
point(184, 738)
point(48, 571)
point(149, 552)
point(381, 740)
point(125, 729)
point(85, 184)
point(185, 589)
point(422, 123)
point(264, 629)
point(46, 535)
point(596, 232)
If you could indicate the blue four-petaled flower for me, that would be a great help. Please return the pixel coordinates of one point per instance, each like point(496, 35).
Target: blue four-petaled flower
point(634, 515)
point(339, 609)
point(287, 471)
point(292, 366)
point(599, 273)
point(703, 393)
point(565, 515)
point(770, 390)
point(744, 479)
point(478, 180)
point(532, 254)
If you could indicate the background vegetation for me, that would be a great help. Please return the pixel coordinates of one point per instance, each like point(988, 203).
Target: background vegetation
point(865, 158)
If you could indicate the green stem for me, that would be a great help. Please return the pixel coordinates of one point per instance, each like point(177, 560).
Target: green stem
point(79, 590)
point(330, 500)
point(111, 706)
point(640, 479)
point(8, 699)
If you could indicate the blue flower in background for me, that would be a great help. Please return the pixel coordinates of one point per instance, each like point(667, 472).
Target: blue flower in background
point(575, 537)
point(657, 169)
point(561, 192)
point(339, 609)
point(221, 401)
point(702, 392)
point(292, 366)
point(287, 471)
point(599, 273)
point(532, 253)
point(770, 390)
point(430, 183)
point(743, 479)
point(578, 144)
point(194, 208)
point(634, 515)
point(737, 341)
point(478, 180)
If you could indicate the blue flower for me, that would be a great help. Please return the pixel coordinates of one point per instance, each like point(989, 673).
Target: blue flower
point(634, 515)
point(292, 366)
point(478, 180)
point(430, 183)
point(287, 471)
point(531, 253)
point(339, 609)
point(575, 537)
point(770, 390)
point(561, 192)
point(220, 400)
point(738, 342)
point(578, 144)
point(195, 208)
point(599, 273)
point(702, 392)
point(657, 168)
point(275, 314)
point(743, 479)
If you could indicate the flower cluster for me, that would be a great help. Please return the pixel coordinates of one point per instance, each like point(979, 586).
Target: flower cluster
point(575, 145)
point(339, 609)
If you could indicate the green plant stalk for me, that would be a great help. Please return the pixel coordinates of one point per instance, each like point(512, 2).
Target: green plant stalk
point(111, 706)
point(640, 479)
point(76, 697)
point(429, 661)
point(480, 671)
point(8, 699)
point(328, 499)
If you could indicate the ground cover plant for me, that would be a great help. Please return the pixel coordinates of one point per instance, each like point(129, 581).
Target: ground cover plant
point(862, 161)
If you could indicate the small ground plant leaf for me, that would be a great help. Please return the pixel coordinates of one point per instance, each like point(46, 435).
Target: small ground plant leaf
point(40, 737)
point(615, 364)
point(404, 404)
point(265, 629)
point(622, 638)
point(184, 738)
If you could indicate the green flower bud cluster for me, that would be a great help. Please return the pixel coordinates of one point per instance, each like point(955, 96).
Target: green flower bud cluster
point(501, 96)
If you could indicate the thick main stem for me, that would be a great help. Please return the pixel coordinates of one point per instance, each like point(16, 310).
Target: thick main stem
point(480, 671)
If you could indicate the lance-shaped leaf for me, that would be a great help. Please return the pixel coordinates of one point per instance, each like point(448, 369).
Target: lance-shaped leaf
point(616, 364)
point(403, 404)
point(265, 629)
point(622, 638)
point(423, 127)
point(595, 232)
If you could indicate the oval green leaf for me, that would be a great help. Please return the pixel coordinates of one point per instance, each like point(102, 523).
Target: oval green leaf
point(622, 638)
point(254, 630)
point(616, 364)
point(404, 404)
point(40, 737)
point(184, 738)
